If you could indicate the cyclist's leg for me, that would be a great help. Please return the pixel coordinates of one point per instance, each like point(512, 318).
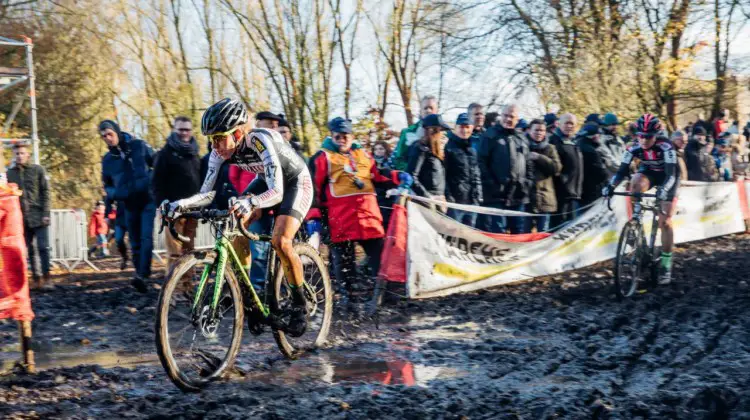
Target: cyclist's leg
point(639, 183)
point(667, 235)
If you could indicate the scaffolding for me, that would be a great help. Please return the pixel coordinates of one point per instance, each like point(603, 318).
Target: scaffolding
point(10, 77)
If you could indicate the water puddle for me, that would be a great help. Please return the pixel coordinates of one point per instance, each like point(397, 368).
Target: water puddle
point(51, 355)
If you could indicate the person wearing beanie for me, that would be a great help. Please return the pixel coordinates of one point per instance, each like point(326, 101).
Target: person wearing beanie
point(612, 145)
point(463, 179)
point(595, 172)
point(126, 174)
point(700, 164)
point(593, 118)
point(550, 120)
point(177, 170)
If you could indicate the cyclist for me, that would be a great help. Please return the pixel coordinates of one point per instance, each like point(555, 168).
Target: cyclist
point(658, 163)
point(283, 183)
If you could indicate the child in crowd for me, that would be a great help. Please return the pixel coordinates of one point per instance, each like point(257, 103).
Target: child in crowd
point(98, 229)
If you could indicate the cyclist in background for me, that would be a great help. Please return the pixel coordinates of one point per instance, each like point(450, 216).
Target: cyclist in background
point(283, 183)
point(658, 167)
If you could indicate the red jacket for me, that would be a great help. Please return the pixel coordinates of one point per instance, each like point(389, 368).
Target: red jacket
point(353, 212)
point(98, 224)
point(239, 178)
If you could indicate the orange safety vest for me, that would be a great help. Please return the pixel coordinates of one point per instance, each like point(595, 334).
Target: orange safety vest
point(343, 169)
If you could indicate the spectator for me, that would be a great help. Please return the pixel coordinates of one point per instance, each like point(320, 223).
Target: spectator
point(269, 120)
point(595, 172)
point(522, 126)
point(118, 227)
point(701, 122)
point(411, 134)
point(477, 119)
point(177, 171)
point(613, 146)
point(286, 133)
point(550, 119)
point(126, 174)
point(35, 206)
point(734, 128)
point(569, 183)
point(381, 152)
point(700, 164)
point(505, 181)
point(593, 118)
point(98, 230)
point(463, 179)
point(746, 131)
point(426, 159)
point(344, 176)
point(490, 119)
point(721, 123)
point(722, 154)
point(678, 141)
point(632, 137)
point(546, 165)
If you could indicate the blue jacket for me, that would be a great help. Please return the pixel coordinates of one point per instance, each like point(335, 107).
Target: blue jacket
point(126, 172)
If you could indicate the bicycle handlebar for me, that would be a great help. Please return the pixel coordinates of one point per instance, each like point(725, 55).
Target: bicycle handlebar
point(207, 215)
point(629, 194)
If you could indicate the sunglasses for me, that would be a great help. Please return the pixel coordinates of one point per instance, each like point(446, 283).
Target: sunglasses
point(646, 136)
point(221, 136)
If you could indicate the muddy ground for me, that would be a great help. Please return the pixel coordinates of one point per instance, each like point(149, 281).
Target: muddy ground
point(558, 347)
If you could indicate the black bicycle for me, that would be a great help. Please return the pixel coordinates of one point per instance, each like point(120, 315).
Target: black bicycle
point(637, 259)
point(207, 294)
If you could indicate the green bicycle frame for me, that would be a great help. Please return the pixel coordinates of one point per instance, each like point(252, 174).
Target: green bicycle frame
point(224, 250)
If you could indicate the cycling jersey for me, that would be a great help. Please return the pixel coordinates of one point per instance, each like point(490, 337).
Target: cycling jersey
point(263, 152)
point(658, 163)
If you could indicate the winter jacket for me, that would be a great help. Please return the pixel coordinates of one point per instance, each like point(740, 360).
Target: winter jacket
point(462, 176)
point(719, 127)
point(506, 176)
point(569, 184)
point(126, 172)
point(409, 135)
point(723, 163)
point(595, 172)
point(35, 201)
point(700, 164)
point(546, 167)
point(682, 166)
point(240, 178)
point(98, 224)
point(612, 150)
point(476, 138)
point(344, 190)
point(177, 174)
point(428, 171)
point(223, 187)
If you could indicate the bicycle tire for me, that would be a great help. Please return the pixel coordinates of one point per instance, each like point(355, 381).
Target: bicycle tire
point(285, 343)
point(163, 346)
point(636, 265)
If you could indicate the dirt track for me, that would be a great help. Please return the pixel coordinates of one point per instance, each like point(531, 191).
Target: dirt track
point(559, 347)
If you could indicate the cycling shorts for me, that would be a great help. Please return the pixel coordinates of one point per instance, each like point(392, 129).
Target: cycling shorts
point(657, 178)
point(298, 196)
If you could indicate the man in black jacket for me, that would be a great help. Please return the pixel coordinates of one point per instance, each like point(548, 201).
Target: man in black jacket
point(35, 206)
point(595, 172)
point(462, 176)
point(700, 164)
point(177, 168)
point(546, 166)
point(126, 174)
point(506, 182)
point(569, 183)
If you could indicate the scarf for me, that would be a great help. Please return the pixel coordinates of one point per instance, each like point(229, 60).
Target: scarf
point(537, 146)
point(185, 149)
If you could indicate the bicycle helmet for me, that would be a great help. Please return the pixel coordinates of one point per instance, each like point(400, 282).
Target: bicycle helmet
point(223, 116)
point(649, 125)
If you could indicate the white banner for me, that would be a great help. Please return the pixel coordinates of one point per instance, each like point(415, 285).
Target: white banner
point(446, 257)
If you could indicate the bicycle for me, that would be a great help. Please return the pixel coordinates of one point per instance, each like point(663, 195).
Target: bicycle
point(642, 255)
point(202, 299)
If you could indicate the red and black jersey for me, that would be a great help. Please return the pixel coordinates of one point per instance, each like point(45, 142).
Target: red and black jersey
point(661, 157)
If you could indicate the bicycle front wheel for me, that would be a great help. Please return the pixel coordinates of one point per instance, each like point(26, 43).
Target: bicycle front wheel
point(196, 346)
point(319, 296)
point(629, 259)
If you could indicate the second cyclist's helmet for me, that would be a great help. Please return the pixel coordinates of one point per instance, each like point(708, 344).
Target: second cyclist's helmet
point(223, 116)
point(648, 124)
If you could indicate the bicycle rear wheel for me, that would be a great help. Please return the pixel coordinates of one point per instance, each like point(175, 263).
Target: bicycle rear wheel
point(320, 303)
point(629, 259)
point(195, 348)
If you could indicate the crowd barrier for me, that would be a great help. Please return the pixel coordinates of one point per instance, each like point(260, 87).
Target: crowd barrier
point(68, 238)
point(440, 256)
point(204, 238)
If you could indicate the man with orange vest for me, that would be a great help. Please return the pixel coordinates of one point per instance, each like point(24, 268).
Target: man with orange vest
point(344, 175)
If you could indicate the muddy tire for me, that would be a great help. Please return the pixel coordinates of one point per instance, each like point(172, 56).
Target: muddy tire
point(174, 313)
point(319, 294)
point(629, 259)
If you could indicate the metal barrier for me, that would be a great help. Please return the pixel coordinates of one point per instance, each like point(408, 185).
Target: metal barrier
point(68, 238)
point(204, 238)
